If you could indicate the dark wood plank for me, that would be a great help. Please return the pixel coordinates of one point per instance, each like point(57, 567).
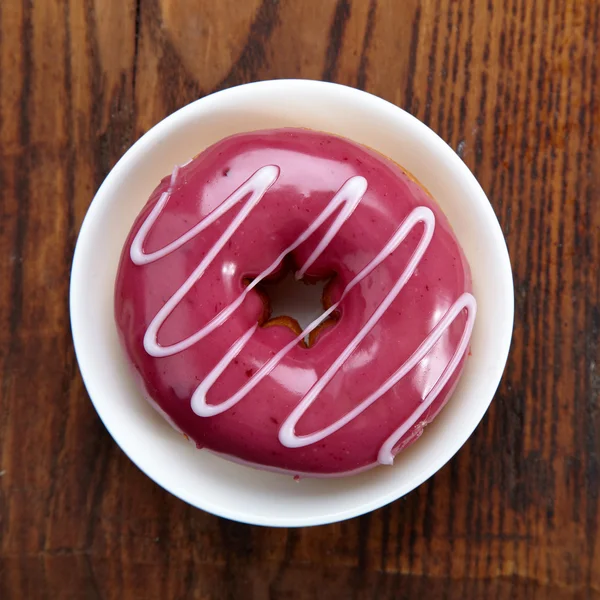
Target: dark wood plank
point(513, 86)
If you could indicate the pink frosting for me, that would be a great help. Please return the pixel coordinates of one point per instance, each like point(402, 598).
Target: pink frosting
point(307, 170)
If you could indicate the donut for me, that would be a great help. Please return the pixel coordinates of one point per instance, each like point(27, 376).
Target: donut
point(358, 384)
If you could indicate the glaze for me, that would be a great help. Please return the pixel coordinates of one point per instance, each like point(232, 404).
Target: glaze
point(332, 215)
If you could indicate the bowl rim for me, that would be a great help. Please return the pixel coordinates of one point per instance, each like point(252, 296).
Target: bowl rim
point(153, 135)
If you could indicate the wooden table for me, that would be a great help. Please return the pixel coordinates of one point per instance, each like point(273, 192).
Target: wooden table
point(514, 87)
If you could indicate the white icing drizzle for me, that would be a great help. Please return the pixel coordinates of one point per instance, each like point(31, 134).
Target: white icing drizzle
point(348, 197)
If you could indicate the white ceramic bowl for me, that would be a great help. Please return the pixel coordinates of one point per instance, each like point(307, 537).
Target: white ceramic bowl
point(209, 482)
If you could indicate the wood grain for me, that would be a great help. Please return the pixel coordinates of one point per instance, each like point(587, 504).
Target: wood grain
point(513, 86)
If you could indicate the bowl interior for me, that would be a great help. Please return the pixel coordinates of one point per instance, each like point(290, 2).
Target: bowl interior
point(212, 483)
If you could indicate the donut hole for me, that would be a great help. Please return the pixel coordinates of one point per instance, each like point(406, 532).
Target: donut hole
point(295, 304)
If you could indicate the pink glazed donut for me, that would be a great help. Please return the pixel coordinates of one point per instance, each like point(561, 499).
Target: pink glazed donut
point(381, 361)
